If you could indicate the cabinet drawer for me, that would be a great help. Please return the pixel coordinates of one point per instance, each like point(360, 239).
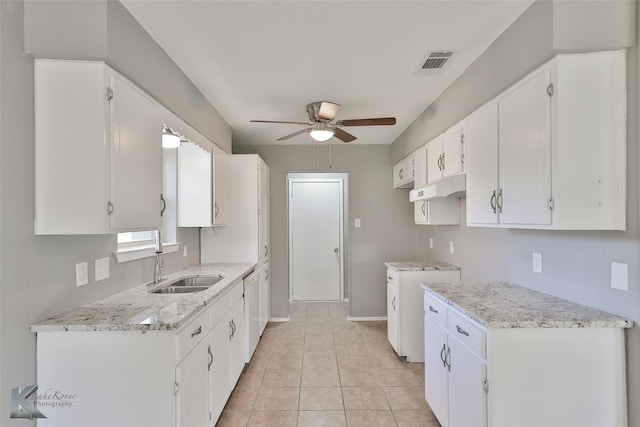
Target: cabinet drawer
point(191, 335)
point(467, 332)
point(435, 310)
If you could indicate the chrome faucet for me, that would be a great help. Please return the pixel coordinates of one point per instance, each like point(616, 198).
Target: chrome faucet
point(159, 265)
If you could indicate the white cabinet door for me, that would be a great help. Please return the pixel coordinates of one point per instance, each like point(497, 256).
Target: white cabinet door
point(420, 167)
point(263, 211)
point(452, 143)
point(481, 147)
point(237, 342)
point(265, 295)
point(193, 376)
point(467, 396)
point(194, 186)
point(434, 160)
point(436, 388)
point(252, 313)
point(393, 304)
point(221, 183)
point(220, 368)
point(403, 173)
point(136, 158)
point(525, 152)
point(420, 212)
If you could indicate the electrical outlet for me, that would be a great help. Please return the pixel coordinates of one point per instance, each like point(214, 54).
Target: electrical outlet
point(102, 269)
point(620, 276)
point(537, 262)
point(82, 273)
point(356, 223)
point(185, 251)
point(451, 247)
point(430, 242)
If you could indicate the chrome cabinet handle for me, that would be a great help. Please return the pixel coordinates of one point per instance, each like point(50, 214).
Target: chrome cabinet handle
point(461, 331)
point(440, 162)
point(196, 332)
point(401, 173)
point(389, 277)
point(266, 250)
point(433, 310)
point(492, 201)
point(210, 358)
point(164, 205)
point(217, 210)
point(443, 164)
point(499, 200)
point(442, 356)
point(109, 208)
point(424, 207)
point(448, 358)
point(393, 303)
point(230, 329)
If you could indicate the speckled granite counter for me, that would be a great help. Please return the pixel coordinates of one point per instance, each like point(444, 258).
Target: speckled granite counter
point(137, 309)
point(421, 266)
point(504, 305)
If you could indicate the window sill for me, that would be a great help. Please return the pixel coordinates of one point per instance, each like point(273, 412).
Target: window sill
point(140, 252)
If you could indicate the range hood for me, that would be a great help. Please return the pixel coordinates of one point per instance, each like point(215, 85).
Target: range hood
point(453, 186)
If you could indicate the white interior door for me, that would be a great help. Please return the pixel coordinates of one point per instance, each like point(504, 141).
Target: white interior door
point(315, 217)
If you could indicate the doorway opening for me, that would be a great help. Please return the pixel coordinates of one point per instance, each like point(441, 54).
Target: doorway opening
point(318, 236)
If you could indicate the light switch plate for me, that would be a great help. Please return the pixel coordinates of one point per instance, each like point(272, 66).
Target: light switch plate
point(451, 246)
point(537, 262)
point(356, 223)
point(82, 273)
point(430, 242)
point(620, 276)
point(102, 269)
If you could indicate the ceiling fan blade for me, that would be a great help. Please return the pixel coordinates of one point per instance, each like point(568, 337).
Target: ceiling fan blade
point(343, 136)
point(277, 121)
point(300, 132)
point(381, 121)
point(328, 110)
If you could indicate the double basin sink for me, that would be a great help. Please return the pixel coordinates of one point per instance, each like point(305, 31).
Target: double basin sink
point(188, 285)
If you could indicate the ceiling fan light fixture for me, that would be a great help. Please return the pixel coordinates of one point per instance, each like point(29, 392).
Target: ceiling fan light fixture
point(321, 135)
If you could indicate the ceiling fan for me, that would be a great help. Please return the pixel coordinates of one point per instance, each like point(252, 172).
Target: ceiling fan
point(321, 115)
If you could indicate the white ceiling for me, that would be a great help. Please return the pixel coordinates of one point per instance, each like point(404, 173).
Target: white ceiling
point(268, 59)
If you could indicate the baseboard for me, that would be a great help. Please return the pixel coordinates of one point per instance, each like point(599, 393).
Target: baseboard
point(366, 319)
point(279, 319)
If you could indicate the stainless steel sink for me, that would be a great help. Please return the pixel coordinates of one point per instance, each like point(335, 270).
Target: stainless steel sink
point(188, 285)
point(198, 281)
point(179, 289)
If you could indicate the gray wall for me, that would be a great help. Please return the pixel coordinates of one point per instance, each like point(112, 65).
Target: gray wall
point(576, 265)
point(387, 232)
point(37, 278)
point(104, 30)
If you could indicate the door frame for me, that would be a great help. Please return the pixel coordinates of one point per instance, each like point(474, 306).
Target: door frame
point(343, 179)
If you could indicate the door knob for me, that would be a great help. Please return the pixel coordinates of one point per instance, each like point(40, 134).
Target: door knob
point(336, 250)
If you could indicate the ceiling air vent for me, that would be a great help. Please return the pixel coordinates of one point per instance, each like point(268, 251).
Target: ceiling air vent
point(435, 61)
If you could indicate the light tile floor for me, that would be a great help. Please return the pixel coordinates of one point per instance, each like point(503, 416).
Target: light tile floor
point(319, 369)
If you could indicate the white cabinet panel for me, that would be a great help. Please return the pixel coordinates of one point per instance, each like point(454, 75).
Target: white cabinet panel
point(392, 314)
point(420, 167)
point(221, 366)
point(443, 211)
point(452, 155)
point(192, 375)
point(435, 369)
point(265, 297)
point(525, 153)
point(403, 173)
point(195, 194)
point(237, 342)
point(434, 160)
point(252, 313)
point(115, 129)
point(466, 382)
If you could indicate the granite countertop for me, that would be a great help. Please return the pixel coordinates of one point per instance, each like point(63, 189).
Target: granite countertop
point(505, 305)
point(137, 309)
point(421, 266)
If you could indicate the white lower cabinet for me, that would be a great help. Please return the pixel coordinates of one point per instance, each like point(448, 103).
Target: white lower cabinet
point(525, 377)
point(265, 297)
point(151, 379)
point(404, 308)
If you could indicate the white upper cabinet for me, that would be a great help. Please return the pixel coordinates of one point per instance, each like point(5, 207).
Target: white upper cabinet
point(440, 211)
point(445, 154)
point(98, 151)
point(195, 195)
point(420, 167)
point(220, 186)
point(550, 152)
point(403, 173)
